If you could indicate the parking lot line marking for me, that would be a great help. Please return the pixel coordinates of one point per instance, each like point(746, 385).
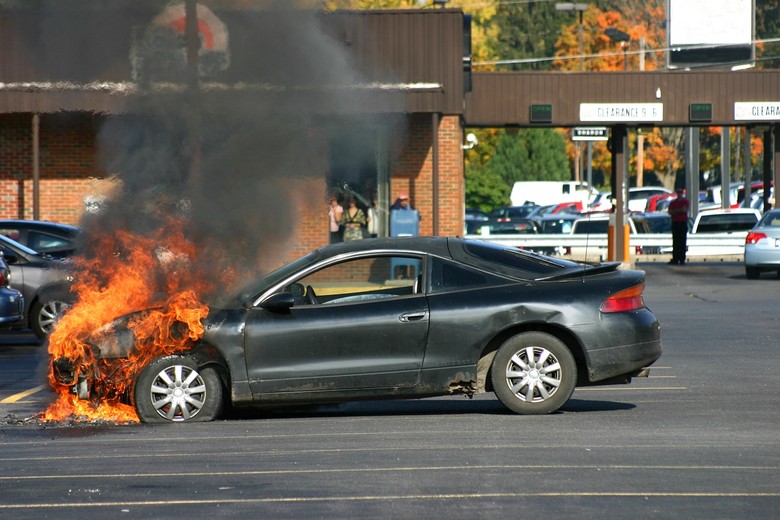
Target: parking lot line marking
point(21, 395)
point(634, 389)
point(383, 498)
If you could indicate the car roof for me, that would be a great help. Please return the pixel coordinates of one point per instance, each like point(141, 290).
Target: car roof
point(42, 225)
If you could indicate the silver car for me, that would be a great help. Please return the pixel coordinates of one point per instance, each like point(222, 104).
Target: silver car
point(762, 246)
point(44, 282)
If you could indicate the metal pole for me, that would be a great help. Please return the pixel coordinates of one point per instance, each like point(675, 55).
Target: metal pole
point(747, 168)
point(435, 166)
point(776, 161)
point(582, 65)
point(725, 167)
point(36, 155)
point(590, 164)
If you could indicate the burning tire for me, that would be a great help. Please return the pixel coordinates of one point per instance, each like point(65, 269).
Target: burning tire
point(175, 389)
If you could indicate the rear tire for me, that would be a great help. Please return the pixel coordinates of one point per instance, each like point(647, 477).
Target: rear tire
point(175, 389)
point(752, 273)
point(533, 373)
point(44, 316)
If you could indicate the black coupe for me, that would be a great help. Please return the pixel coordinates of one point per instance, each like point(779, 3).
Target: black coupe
point(398, 318)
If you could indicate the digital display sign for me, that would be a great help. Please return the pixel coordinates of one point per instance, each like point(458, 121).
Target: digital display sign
point(700, 112)
point(541, 113)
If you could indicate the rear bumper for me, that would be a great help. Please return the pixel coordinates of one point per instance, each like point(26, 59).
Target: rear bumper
point(622, 344)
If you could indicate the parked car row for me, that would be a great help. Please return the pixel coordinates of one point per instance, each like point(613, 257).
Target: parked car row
point(36, 291)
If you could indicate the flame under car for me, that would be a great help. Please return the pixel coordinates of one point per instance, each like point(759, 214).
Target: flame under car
point(383, 319)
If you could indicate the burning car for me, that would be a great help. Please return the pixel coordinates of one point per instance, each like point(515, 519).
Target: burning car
point(373, 319)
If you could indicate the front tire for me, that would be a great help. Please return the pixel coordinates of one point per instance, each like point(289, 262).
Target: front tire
point(533, 373)
point(752, 273)
point(175, 389)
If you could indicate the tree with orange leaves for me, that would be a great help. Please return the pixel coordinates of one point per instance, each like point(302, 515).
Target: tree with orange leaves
point(643, 22)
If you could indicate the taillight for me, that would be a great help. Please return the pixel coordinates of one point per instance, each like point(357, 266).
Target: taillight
point(753, 237)
point(626, 300)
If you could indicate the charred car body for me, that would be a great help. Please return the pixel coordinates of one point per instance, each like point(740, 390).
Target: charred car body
point(389, 319)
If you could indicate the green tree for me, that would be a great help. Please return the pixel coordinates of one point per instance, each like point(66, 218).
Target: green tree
point(527, 31)
point(530, 155)
point(768, 26)
point(485, 189)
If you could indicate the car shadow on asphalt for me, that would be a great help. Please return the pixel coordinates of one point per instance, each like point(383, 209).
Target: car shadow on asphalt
point(434, 406)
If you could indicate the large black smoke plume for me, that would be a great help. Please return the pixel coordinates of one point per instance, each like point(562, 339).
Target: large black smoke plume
point(226, 153)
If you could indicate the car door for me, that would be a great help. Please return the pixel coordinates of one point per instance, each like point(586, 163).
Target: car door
point(364, 325)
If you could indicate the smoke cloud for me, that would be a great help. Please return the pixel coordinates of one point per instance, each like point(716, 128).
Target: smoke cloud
point(235, 157)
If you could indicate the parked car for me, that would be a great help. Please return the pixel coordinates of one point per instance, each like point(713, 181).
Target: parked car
point(658, 202)
point(762, 246)
point(637, 198)
point(11, 300)
point(515, 226)
point(507, 213)
point(598, 224)
point(505, 220)
point(561, 223)
point(45, 237)
point(44, 281)
point(735, 221)
point(725, 220)
point(338, 324)
point(473, 219)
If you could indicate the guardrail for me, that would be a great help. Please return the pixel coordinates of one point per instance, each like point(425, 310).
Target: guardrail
point(699, 244)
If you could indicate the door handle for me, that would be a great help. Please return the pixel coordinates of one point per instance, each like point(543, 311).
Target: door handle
point(413, 316)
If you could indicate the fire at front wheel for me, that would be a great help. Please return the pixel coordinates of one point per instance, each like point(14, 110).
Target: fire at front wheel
point(175, 389)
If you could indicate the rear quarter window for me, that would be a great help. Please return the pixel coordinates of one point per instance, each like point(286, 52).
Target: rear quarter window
point(511, 261)
point(725, 223)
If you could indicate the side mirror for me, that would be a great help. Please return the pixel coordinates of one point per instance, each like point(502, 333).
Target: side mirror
point(279, 302)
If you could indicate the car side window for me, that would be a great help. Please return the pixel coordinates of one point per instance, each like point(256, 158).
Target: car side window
point(363, 279)
point(448, 275)
point(42, 241)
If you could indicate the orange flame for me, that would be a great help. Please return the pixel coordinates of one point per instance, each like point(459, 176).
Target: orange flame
point(154, 274)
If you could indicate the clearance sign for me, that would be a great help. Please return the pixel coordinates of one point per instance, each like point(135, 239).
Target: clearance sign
point(757, 111)
point(622, 112)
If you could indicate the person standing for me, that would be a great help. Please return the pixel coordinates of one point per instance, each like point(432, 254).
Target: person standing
point(353, 219)
point(402, 203)
point(678, 210)
point(335, 214)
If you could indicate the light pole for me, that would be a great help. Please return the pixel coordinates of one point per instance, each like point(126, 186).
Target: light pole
point(580, 8)
point(616, 35)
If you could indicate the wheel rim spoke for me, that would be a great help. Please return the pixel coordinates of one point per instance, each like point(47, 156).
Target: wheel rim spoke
point(178, 393)
point(533, 374)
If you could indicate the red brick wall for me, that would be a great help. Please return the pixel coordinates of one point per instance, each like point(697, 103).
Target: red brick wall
point(412, 172)
point(68, 166)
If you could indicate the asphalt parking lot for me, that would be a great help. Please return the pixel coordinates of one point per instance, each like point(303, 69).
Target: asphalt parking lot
point(697, 439)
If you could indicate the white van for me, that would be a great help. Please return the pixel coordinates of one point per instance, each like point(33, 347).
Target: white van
point(544, 193)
